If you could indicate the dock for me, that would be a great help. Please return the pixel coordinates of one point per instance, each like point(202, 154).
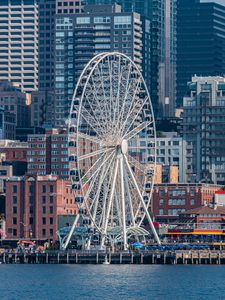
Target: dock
point(80, 257)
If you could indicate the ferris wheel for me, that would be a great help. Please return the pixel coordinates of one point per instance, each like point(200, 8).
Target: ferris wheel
point(112, 149)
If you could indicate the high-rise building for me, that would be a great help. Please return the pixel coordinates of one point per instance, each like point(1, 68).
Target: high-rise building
point(69, 7)
point(200, 41)
point(159, 59)
point(203, 129)
point(79, 37)
point(46, 20)
point(19, 43)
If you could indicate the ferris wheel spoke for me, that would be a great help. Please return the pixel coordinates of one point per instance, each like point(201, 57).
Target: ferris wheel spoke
point(99, 106)
point(94, 153)
point(112, 192)
point(125, 99)
point(143, 202)
point(88, 137)
point(90, 124)
point(136, 164)
point(123, 202)
point(135, 131)
point(98, 169)
point(93, 166)
point(134, 118)
point(133, 106)
point(92, 121)
point(100, 183)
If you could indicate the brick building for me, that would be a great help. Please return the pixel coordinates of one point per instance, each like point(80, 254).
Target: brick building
point(34, 205)
point(48, 153)
point(169, 200)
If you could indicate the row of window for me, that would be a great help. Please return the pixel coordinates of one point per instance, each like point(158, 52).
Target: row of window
point(178, 192)
point(176, 202)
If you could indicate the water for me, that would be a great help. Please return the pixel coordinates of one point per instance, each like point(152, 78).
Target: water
point(131, 282)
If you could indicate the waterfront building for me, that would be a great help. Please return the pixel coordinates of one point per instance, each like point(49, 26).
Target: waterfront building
point(34, 204)
point(79, 37)
point(14, 102)
point(169, 200)
point(19, 43)
point(200, 41)
point(171, 151)
point(203, 129)
point(48, 153)
point(159, 49)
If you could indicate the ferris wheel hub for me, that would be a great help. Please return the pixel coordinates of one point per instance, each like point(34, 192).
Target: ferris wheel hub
point(124, 146)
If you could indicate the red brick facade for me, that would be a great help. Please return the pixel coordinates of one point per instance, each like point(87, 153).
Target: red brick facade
point(168, 200)
point(33, 204)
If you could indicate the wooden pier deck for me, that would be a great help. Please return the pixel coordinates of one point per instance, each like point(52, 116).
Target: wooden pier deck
point(78, 257)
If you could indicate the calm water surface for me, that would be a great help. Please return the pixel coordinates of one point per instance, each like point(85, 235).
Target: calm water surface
point(111, 282)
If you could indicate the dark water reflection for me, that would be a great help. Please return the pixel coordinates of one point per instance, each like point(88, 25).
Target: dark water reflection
point(111, 282)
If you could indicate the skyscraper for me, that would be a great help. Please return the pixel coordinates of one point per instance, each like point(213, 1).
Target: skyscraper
point(79, 37)
point(203, 129)
point(200, 41)
point(47, 9)
point(19, 43)
point(159, 55)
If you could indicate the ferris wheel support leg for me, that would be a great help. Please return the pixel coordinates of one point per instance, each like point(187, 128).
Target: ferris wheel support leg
point(123, 203)
point(109, 205)
point(64, 246)
point(143, 203)
point(130, 200)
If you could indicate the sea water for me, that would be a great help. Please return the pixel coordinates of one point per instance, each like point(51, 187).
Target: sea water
point(112, 282)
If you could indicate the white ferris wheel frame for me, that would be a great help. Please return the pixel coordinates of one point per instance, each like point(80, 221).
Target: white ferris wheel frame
point(121, 160)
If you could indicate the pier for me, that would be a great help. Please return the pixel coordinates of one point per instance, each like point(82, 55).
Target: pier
point(80, 257)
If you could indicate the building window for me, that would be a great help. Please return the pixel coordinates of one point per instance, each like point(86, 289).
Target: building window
point(14, 210)
point(14, 199)
point(51, 232)
point(51, 209)
point(161, 212)
point(51, 221)
point(14, 232)
point(192, 201)
point(161, 202)
point(161, 192)
point(31, 221)
point(51, 188)
point(83, 20)
point(14, 188)
point(43, 232)
point(43, 189)
point(43, 221)
point(43, 199)
point(51, 199)
point(44, 210)
point(14, 221)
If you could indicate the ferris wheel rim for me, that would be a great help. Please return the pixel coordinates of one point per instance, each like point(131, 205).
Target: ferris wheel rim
point(98, 60)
